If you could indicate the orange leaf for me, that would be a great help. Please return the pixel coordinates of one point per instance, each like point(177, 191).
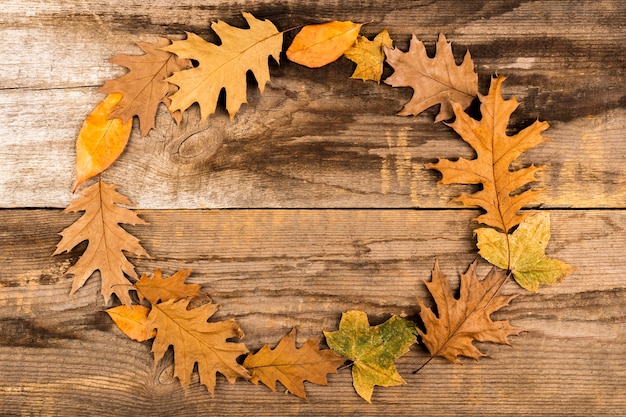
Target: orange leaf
point(291, 365)
point(157, 288)
point(317, 45)
point(132, 320)
point(100, 140)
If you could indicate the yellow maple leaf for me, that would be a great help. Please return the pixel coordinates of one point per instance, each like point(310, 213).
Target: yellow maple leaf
point(224, 66)
point(523, 252)
point(369, 56)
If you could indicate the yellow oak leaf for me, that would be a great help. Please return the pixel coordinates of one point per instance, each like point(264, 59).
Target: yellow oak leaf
point(500, 195)
point(369, 56)
point(436, 80)
point(196, 341)
point(465, 319)
point(523, 252)
point(317, 45)
point(291, 365)
point(133, 321)
point(101, 140)
point(100, 225)
point(224, 66)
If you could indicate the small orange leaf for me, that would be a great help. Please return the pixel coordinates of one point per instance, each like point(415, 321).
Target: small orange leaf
point(100, 140)
point(317, 45)
point(132, 320)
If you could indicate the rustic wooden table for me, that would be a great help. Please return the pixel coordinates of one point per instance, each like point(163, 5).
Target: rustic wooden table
point(324, 207)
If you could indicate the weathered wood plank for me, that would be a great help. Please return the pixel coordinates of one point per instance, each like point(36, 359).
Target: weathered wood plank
point(314, 138)
point(275, 269)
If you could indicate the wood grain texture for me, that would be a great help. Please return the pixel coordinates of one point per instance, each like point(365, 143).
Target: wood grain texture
point(328, 208)
point(315, 138)
point(276, 269)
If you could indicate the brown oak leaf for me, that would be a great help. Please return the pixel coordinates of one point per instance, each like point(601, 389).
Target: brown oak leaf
point(224, 66)
point(462, 320)
point(196, 341)
point(144, 87)
point(291, 365)
point(157, 288)
point(500, 195)
point(100, 225)
point(436, 80)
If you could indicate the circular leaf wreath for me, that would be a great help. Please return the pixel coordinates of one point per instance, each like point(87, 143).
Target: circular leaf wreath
point(180, 73)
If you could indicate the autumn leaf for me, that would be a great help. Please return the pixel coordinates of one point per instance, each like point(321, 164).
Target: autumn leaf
point(436, 80)
point(291, 365)
point(317, 45)
point(197, 341)
point(523, 252)
point(100, 140)
point(369, 56)
point(132, 320)
point(100, 226)
point(157, 288)
point(373, 350)
point(224, 66)
point(502, 194)
point(144, 87)
point(465, 319)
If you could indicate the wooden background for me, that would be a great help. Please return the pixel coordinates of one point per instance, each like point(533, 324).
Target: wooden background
point(325, 206)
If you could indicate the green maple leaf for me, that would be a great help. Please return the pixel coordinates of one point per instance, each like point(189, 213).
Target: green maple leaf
point(373, 350)
point(523, 252)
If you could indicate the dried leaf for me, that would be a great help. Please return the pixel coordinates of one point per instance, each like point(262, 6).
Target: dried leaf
point(463, 320)
point(369, 56)
point(373, 350)
point(144, 87)
point(523, 252)
point(317, 45)
point(157, 288)
point(500, 195)
point(291, 365)
point(100, 140)
point(100, 225)
point(197, 341)
point(132, 320)
point(224, 66)
point(436, 80)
